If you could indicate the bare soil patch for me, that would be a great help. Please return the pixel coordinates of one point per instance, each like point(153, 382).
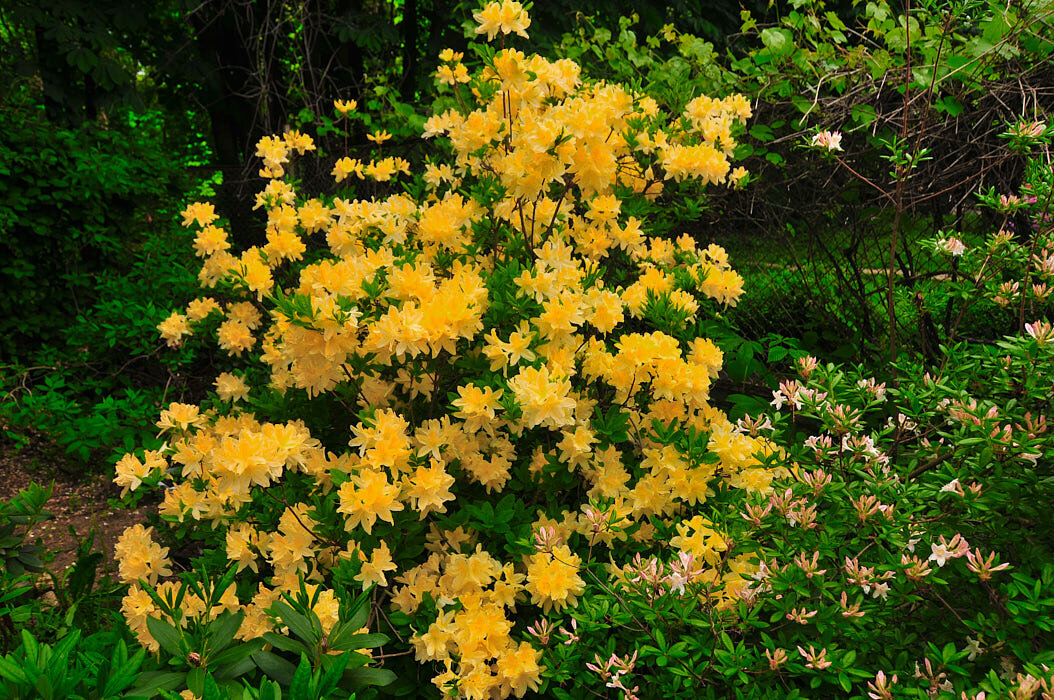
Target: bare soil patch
point(80, 503)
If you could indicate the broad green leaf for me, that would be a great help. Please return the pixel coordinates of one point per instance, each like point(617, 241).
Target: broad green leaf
point(167, 636)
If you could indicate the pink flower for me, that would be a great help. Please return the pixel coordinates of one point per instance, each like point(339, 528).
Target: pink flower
point(572, 634)
point(542, 630)
point(953, 486)
point(1042, 331)
point(981, 566)
point(943, 551)
point(776, 658)
point(880, 688)
point(801, 616)
point(815, 659)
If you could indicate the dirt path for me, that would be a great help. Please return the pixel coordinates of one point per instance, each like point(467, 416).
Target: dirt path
point(78, 504)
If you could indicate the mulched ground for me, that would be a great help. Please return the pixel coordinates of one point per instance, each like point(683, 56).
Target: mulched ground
point(79, 503)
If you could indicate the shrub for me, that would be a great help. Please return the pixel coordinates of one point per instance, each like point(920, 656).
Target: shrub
point(504, 330)
point(539, 495)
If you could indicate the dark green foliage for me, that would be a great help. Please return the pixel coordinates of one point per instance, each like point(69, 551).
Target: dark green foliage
point(74, 203)
point(97, 387)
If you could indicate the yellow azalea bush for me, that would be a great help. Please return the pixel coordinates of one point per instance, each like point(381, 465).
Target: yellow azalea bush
point(502, 326)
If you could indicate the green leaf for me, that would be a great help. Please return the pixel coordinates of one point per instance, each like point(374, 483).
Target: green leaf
point(333, 674)
point(369, 676)
point(762, 133)
point(949, 105)
point(196, 681)
point(362, 641)
point(235, 669)
point(299, 624)
point(862, 114)
point(274, 666)
point(236, 653)
point(270, 690)
point(150, 684)
point(30, 646)
point(300, 688)
point(223, 630)
point(284, 643)
point(778, 40)
point(12, 672)
point(211, 691)
point(777, 353)
point(167, 636)
point(361, 616)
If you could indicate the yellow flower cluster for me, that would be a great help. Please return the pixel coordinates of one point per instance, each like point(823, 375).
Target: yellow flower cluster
point(504, 17)
point(139, 557)
point(482, 336)
point(471, 634)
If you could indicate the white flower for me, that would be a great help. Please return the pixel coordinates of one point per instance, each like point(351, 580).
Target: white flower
point(830, 140)
point(951, 246)
point(952, 486)
point(881, 590)
point(974, 647)
point(778, 399)
point(676, 582)
point(940, 554)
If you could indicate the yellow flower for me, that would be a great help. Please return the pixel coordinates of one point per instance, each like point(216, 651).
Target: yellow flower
point(255, 272)
point(367, 497)
point(275, 152)
point(201, 213)
point(345, 167)
point(373, 570)
point(430, 488)
point(199, 309)
point(519, 670)
point(244, 312)
point(230, 387)
point(241, 540)
point(180, 416)
point(552, 578)
point(139, 557)
point(739, 176)
point(505, 17)
point(235, 337)
point(298, 141)
point(327, 608)
point(137, 606)
point(345, 106)
point(173, 329)
point(379, 137)
point(450, 75)
point(210, 239)
point(131, 472)
point(544, 398)
point(476, 405)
